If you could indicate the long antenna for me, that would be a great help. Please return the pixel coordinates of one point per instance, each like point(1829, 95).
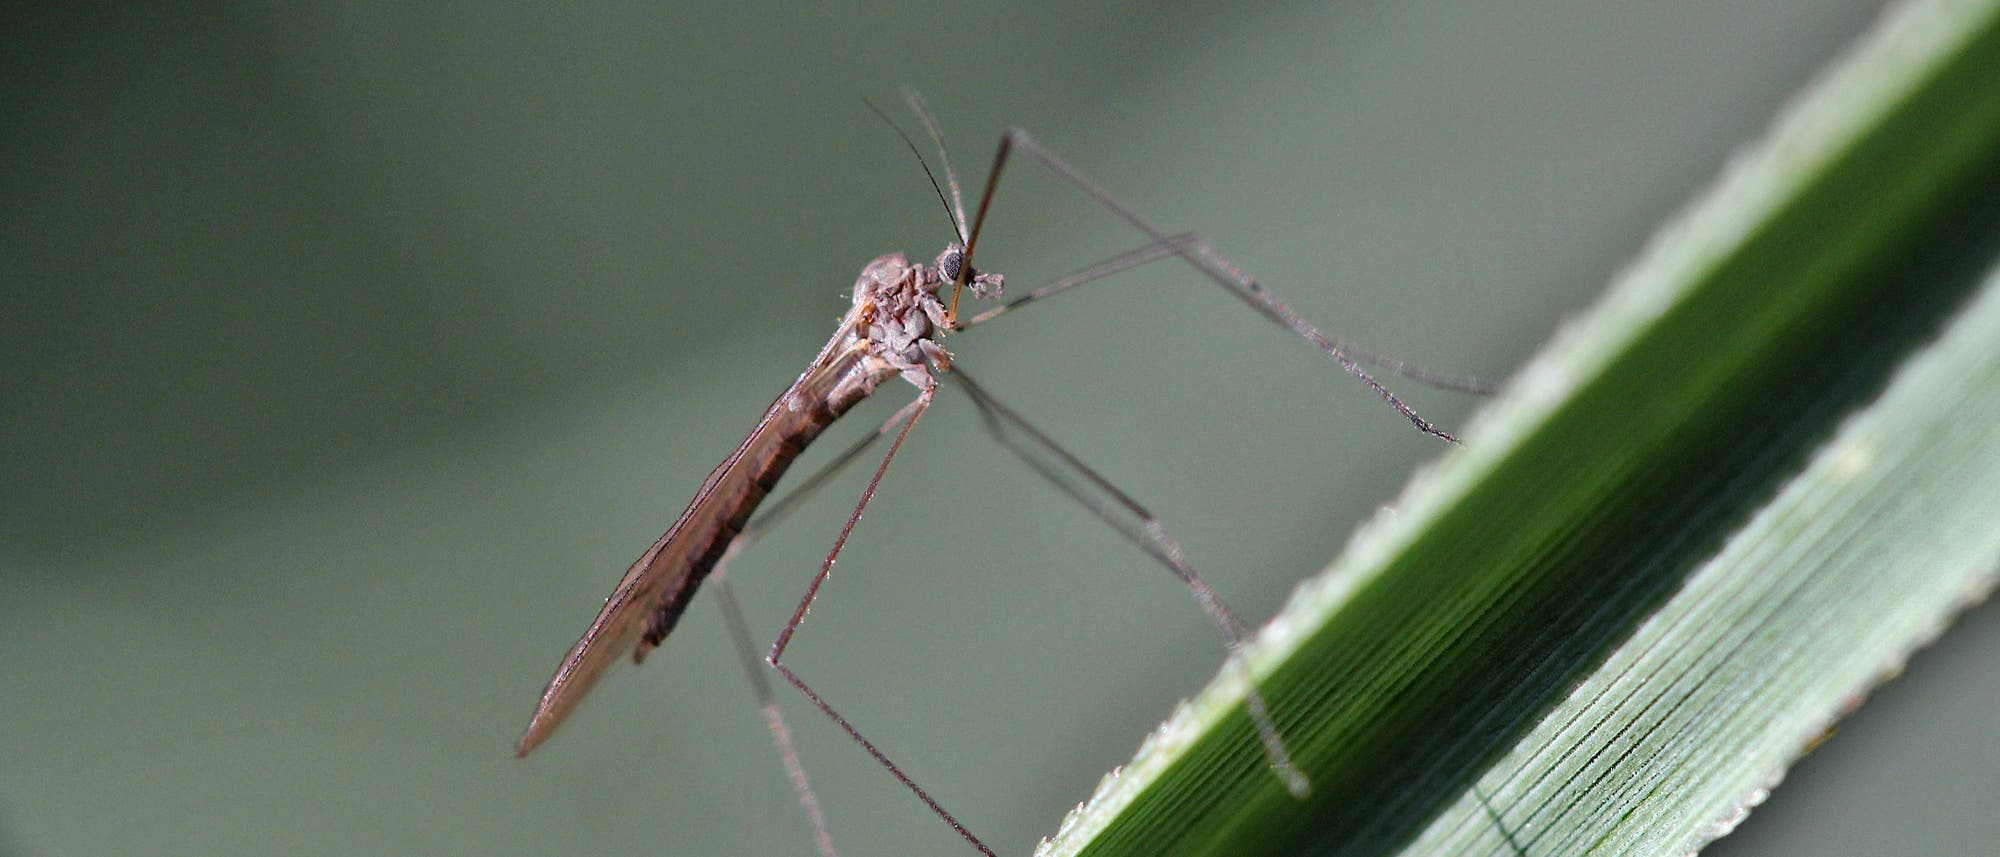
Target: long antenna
point(948, 213)
point(916, 101)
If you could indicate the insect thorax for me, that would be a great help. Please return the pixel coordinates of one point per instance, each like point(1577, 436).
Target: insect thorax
point(898, 316)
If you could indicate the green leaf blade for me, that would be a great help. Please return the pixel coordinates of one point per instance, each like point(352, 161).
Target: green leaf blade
point(1481, 673)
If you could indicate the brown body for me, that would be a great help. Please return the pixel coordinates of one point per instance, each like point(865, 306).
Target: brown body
point(888, 331)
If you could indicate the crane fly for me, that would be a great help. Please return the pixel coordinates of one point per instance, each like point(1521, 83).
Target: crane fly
point(893, 328)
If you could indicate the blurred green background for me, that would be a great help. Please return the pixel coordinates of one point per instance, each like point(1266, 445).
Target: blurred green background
point(351, 352)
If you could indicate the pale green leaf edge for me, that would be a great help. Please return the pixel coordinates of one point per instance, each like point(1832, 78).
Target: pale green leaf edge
point(1862, 558)
point(1881, 69)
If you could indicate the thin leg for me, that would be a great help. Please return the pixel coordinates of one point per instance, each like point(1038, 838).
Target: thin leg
point(1150, 536)
point(1199, 255)
point(1498, 822)
point(1116, 264)
point(767, 705)
point(805, 604)
point(1190, 242)
point(739, 628)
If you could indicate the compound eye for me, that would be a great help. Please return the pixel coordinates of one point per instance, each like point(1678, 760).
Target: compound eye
point(951, 264)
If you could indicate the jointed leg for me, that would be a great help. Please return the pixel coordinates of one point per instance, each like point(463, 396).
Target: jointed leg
point(1141, 527)
point(1189, 242)
point(739, 628)
point(1499, 822)
point(775, 658)
point(767, 705)
point(1202, 256)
